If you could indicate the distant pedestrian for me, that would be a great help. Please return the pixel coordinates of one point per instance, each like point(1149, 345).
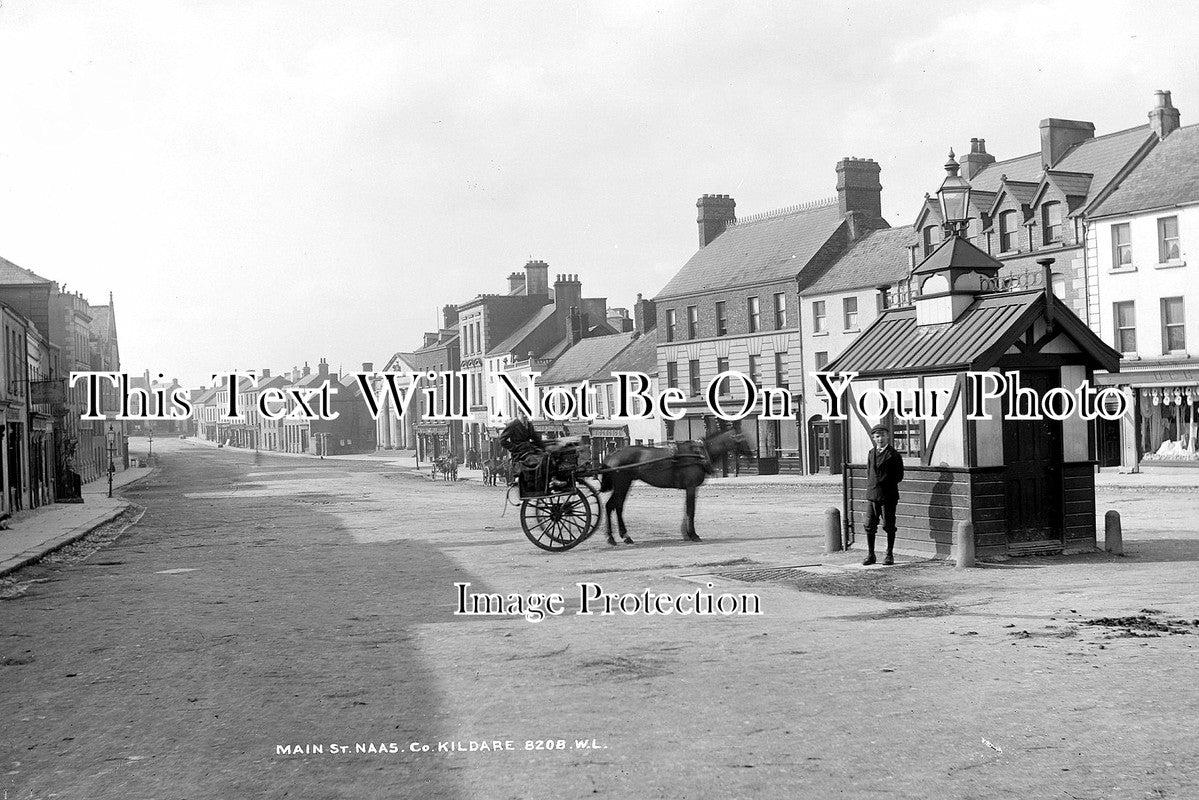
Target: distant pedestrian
point(884, 472)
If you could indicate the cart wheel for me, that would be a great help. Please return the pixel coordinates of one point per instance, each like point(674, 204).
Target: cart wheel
point(591, 492)
point(557, 522)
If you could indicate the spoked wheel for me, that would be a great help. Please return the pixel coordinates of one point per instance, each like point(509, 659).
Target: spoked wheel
point(557, 522)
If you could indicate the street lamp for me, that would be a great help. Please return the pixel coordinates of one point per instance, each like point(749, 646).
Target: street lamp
point(954, 196)
point(150, 457)
point(112, 443)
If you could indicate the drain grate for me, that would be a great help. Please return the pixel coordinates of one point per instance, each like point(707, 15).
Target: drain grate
point(769, 574)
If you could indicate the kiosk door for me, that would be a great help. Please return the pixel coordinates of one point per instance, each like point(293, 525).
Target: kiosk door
point(1032, 454)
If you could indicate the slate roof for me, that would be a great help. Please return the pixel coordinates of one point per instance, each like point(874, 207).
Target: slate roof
point(640, 356)
point(895, 345)
point(530, 326)
point(11, 274)
point(771, 249)
point(1025, 168)
point(1100, 156)
point(1168, 176)
point(586, 358)
point(881, 256)
point(1104, 156)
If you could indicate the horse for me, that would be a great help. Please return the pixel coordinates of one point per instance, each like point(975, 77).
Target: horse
point(683, 467)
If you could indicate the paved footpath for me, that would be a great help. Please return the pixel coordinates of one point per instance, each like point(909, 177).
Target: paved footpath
point(35, 532)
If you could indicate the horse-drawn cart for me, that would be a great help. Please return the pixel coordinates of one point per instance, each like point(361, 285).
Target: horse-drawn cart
point(560, 503)
point(559, 498)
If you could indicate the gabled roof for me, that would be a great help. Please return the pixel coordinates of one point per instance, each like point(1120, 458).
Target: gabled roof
point(516, 339)
point(582, 361)
point(1020, 191)
point(11, 274)
point(1168, 176)
point(640, 356)
point(895, 345)
point(959, 253)
point(772, 249)
point(880, 257)
point(929, 208)
point(1074, 185)
point(399, 359)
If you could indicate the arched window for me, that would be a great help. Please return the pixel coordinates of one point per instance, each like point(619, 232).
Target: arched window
point(1008, 226)
point(1051, 223)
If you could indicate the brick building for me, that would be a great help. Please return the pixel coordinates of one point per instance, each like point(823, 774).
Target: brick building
point(735, 304)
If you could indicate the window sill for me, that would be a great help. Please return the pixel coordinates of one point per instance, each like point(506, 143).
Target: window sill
point(820, 333)
point(1130, 357)
point(1171, 264)
point(1119, 270)
point(852, 330)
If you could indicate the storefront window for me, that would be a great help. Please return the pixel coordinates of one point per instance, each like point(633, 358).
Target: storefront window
point(1169, 423)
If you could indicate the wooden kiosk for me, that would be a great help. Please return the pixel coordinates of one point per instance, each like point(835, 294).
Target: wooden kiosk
point(1028, 486)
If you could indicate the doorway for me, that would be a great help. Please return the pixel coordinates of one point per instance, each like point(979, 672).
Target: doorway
point(1032, 454)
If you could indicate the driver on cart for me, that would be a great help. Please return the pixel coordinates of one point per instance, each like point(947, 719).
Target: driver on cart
point(526, 446)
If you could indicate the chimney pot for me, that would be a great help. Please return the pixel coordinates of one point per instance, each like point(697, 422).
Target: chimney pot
point(1164, 118)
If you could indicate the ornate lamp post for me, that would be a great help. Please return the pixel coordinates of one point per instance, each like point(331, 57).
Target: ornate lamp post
point(954, 196)
point(150, 457)
point(112, 443)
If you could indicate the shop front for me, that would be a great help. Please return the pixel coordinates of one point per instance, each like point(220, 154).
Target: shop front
point(1164, 424)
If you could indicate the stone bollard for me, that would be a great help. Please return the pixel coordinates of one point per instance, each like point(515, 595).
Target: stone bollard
point(965, 544)
point(1113, 536)
point(832, 531)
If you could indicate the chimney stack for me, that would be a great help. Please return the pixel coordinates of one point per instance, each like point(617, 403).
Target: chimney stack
point(976, 160)
point(307, 370)
point(537, 278)
point(449, 316)
point(322, 369)
point(858, 188)
point(368, 366)
point(716, 211)
point(516, 283)
point(1059, 135)
point(266, 373)
point(645, 315)
point(568, 293)
point(1164, 118)
point(595, 310)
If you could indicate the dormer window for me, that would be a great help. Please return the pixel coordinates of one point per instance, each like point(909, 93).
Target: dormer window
point(1051, 223)
point(1009, 225)
point(932, 237)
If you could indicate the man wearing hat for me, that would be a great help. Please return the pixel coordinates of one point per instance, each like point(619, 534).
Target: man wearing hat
point(884, 471)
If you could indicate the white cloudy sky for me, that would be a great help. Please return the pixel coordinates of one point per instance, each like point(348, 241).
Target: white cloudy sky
point(264, 184)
